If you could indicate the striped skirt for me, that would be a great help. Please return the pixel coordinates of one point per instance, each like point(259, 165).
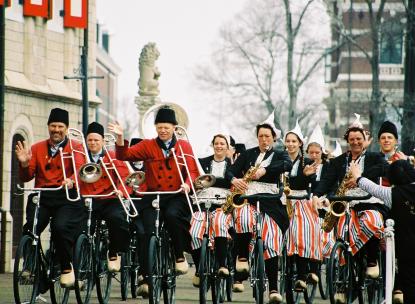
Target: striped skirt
point(244, 219)
point(219, 224)
point(304, 235)
point(363, 225)
point(272, 236)
point(327, 240)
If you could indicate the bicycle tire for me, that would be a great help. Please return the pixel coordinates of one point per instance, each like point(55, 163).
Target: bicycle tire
point(125, 274)
point(26, 271)
point(372, 291)
point(231, 267)
point(203, 270)
point(323, 285)
point(84, 269)
point(340, 276)
point(155, 274)
point(169, 274)
point(58, 295)
point(103, 278)
point(259, 272)
point(310, 292)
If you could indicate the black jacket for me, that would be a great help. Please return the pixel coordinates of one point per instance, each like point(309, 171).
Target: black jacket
point(301, 181)
point(375, 166)
point(280, 163)
point(206, 164)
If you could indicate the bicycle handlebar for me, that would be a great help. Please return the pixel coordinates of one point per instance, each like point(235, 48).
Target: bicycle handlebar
point(252, 199)
point(39, 189)
point(348, 198)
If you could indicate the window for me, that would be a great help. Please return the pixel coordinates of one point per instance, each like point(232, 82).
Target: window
point(391, 42)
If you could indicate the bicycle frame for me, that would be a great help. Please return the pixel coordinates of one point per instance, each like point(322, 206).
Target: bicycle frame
point(389, 235)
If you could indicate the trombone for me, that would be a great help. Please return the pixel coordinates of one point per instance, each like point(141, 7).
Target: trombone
point(109, 140)
point(90, 171)
point(202, 181)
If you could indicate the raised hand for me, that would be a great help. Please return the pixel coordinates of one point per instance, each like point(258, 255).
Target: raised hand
point(23, 153)
point(310, 169)
point(118, 130)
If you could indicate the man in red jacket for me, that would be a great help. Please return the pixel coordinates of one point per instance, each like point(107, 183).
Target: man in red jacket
point(162, 175)
point(107, 208)
point(43, 162)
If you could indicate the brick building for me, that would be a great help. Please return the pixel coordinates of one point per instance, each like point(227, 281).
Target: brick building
point(349, 71)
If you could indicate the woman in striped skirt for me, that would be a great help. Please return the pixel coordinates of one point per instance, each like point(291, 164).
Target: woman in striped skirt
point(220, 222)
point(270, 165)
point(317, 153)
point(303, 238)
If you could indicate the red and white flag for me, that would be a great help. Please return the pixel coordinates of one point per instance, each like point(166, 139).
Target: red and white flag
point(76, 13)
point(36, 8)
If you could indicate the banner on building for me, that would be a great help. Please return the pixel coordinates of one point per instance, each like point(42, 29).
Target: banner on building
point(7, 2)
point(76, 13)
point(38, 8)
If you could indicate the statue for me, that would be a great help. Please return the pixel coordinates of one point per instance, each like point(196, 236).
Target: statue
point(149, 74)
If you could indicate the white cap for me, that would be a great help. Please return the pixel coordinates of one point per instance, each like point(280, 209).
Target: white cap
point(356, 123)
point(270, 121)
point(337, 150)
point(318, 138)
point(297, 131)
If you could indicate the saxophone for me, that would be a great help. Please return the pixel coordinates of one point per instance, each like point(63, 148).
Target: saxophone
point(337, 208)
point(287, 191)
point(230, 203)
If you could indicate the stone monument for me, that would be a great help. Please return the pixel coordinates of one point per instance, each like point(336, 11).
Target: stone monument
point(148, 82)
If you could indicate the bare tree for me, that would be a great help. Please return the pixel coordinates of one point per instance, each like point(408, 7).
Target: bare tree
point(264, 58)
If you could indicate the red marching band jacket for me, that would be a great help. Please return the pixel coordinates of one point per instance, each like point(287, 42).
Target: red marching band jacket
point(161, 172)
point(103, 185)
point(47, 170)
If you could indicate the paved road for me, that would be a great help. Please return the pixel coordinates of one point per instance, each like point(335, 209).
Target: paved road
point(185, 293)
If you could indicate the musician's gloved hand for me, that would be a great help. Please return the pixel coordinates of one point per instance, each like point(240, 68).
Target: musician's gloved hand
point(23, 153)
point(118, 130)
point(68, 182)
point(119, 193)
point(239, 184)
point(185, 188)
point(259, 173)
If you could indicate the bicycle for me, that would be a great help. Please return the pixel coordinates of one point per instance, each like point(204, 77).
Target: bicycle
point(161, 275)
point(346, 272)
point(90, 261)
point(208, 266)
point(257, 276)
point(292, 294)
point(34, 270)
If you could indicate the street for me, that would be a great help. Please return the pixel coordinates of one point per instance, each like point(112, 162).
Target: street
point(185, 293)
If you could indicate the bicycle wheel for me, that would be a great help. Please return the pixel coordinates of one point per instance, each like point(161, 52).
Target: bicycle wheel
point(84, 269)
point(259, 272)
point(102, 276)
point(282, 265)
point(169, 277)
point(125, 274)
point(154, 275)
point(310, 292)
point(26, 271)
point(203, 270)
point(229, 279)
point(323, 285)
point(58, 295)
point(371, 290)
point(340, 274)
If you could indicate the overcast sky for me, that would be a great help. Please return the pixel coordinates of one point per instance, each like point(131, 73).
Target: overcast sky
point(184, 31)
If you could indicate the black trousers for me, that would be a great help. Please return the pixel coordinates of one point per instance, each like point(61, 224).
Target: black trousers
point(113, 213)
point(67, 221)
point(407, 279)
point(175, 213)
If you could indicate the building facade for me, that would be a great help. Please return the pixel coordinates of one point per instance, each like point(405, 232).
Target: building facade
point(107, 88)
point(349, 68)
point(40, 49)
